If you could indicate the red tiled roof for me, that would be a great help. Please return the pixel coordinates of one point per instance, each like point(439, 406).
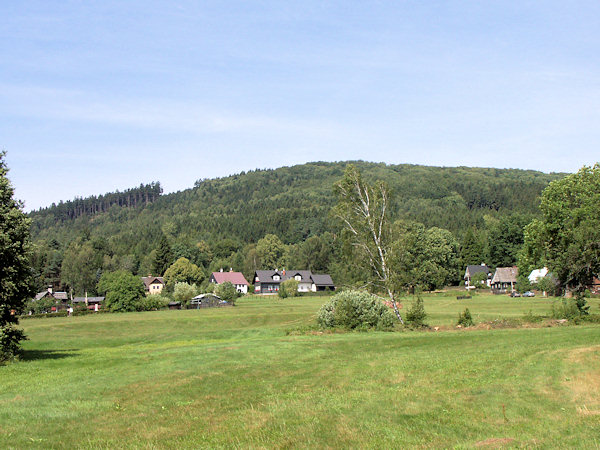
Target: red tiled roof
point(232, 277)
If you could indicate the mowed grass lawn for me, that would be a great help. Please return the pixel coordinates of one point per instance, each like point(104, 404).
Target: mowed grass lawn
point(234, 378)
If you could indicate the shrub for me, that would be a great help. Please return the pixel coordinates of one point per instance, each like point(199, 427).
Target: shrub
point(566, 308)
point(227, 291)
point(465, 319)
point(184, 292)
point(416, 313)
point(154, 302)
point(479, 280)
point(355, 309)
point(289, 288)
point(9, 342)
point(41, 306)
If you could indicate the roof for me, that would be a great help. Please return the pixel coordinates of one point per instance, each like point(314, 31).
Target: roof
point(505, 275)
point(476, 268)
point(291, 274)
point(306, 276)
point(232, 277)
point(151, 280)
point(536, 274)
point(209, 295)
point(89, 299)
point(322, 280)
point(56, 295)
point(266, 276)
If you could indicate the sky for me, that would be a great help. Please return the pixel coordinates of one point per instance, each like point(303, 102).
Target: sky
point(97, 96)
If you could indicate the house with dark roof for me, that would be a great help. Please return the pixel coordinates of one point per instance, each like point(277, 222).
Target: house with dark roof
point(62, 298)
point(504, 279)
point(91, 303)
point(268, 281)
point(153, 285)
point(475, 269)
point(235, 278)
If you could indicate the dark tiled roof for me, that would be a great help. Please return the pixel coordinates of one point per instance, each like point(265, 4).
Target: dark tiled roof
point(291, 274)
point(322, 280)
point(265, 276)
point(473, 269)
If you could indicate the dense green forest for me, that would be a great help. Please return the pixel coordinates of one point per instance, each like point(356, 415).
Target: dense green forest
point(219, 222)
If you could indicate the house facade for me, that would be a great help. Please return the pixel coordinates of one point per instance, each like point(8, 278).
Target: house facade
point(504, 279)
point(153, 285)
point(62, 298)
point(268, 281)
point(474, 269)
point(235, 278)
point(91, 303)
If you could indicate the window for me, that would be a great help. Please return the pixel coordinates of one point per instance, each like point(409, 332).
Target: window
point(298, 277)
point(276, 277)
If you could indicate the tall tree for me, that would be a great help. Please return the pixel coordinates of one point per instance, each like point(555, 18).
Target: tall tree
point(364, 211)
point(271, 252)
point(568, 234)
point(16, 281)
point(164, 257)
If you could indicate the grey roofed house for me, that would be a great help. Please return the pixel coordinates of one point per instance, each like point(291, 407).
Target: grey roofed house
point(472, 269)
point(268, 281)
point(504, 278)
point(48, 293)
point(322, 282)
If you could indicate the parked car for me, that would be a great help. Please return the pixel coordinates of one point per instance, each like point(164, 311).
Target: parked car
point(529, 294)
point(515, 294)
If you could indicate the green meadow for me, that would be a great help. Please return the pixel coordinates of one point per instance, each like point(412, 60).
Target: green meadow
point(238, 378)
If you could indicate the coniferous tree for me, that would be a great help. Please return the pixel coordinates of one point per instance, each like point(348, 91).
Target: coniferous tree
point(164, 257)
point(15, 273)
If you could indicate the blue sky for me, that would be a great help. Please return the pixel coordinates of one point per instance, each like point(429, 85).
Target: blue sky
point(99, 96)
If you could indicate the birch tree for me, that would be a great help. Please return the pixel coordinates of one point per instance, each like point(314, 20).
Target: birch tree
point(364, 211)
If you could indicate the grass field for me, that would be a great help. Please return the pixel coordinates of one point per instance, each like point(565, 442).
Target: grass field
point(234, 378)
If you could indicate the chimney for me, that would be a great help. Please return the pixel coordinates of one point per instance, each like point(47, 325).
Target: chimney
point(231, 269)
point(50, 289)
point(284, 271)
point(221, 270)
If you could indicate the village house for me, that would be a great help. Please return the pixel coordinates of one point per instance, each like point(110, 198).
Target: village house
point(504, 279)
point(62, 298)
point(153, 285)
point(268, 281)
point(477, 268)
point(91, 303)
point(537, 274)
point(235, 278)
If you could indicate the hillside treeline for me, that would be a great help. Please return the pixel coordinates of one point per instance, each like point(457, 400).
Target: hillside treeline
point(89, 206)
point(219, 222)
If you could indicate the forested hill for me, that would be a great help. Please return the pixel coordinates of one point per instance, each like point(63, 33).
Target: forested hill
point(294, 203)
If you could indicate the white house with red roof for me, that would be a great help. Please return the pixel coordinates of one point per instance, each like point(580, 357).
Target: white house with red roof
point(235, 278)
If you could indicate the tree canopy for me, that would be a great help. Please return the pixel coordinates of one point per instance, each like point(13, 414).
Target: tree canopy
point(15, 271)
point(567, 236)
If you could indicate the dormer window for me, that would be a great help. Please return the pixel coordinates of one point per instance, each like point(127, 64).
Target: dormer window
point(298, 277)
point(276, 277)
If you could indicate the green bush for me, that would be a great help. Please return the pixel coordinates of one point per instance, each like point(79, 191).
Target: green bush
point(227, 292)
point(9, 342)
point(154, 302)
point(289, 288)
point(184, 292)
point(355, 310)
point(479, 280)
point(566, 308)
point(416, 314)
point(465, 319)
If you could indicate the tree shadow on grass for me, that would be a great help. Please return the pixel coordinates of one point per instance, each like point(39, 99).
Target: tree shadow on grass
point(35, 355)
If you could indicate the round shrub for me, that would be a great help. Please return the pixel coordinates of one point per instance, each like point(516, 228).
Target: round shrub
point(355, 309)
